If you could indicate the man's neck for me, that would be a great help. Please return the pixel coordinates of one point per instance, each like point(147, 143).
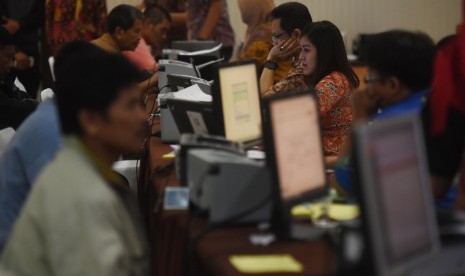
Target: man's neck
point(106, 154)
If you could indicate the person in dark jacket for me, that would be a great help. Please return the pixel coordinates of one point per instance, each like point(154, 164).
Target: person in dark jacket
point(24, 19)
point(15, 105)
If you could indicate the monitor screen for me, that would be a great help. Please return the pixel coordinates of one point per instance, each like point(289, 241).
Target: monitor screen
point(395, 192)
point(297, 146)
point(239, 101)
point(400, 190)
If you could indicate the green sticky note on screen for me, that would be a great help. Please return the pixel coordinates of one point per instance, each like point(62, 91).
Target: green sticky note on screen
point(265, 263)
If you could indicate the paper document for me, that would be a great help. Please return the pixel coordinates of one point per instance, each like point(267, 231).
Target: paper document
point(194, 53)
point(281, 263)
point(192, 93)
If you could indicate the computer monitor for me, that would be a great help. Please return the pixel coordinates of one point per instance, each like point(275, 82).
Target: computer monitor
point(395, 194)
point(236, 101)
point(294, 154)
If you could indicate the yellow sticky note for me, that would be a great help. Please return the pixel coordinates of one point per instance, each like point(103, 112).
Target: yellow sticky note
point(336, 211)
point(170, 155)
point(343, 211)
point(265, 263)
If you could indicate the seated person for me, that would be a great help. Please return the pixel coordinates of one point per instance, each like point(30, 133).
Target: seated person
point(15, 105)
point(399, 76)
point(155, 29)
point(80, 218)
point(124, 31)
point(34, 145)
point(325, 67)
point(288, 21)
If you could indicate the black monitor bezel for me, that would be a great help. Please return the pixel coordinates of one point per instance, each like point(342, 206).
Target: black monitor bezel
point(369, 195)
point(281, 216)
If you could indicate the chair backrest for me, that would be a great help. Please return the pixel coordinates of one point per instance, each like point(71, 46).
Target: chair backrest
point(20, 85)
point(51, 63)
point(6, 135)
point(128, 168)
point(46, 94)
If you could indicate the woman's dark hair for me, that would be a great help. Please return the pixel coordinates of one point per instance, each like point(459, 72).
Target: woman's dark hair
point(90, 79)
point(331, 52)
point(123, 16)
point(293, 15)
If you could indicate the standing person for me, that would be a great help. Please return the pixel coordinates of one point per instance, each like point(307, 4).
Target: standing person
point(15, 105)
point(325, 67)
point(288, 21)
point(257, 42)
point(69, 20)
point(209, 20)
point(85, 225)
point(24, 20)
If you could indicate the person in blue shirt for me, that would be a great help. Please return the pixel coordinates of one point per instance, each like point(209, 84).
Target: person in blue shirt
point(398, 82)
point(33, 146)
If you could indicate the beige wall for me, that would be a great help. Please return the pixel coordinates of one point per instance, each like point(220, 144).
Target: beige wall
point(437, 18)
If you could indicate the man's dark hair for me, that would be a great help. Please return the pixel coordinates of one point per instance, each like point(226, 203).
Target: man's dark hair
point(406, 55)
point(331, 52)
point(123, 16)
point(6, 39)
point(70, 49)
point(156, 14)
point(91, 80)
point(293, 15)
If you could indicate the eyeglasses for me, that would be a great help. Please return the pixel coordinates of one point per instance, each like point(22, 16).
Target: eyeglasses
point(275, 37)
point(369, 79)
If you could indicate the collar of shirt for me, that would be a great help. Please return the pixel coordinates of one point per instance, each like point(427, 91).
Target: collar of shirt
point(109, 44)
point(102, 167)
point(411, 104)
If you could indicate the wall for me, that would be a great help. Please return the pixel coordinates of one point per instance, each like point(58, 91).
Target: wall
point(437, 18)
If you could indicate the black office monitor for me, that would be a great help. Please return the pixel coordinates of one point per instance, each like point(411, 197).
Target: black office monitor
point(193, 45)
point(294, 154)
point(236, 101)
point(395, 194)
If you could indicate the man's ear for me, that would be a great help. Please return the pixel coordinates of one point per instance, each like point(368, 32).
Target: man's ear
point(394, 84)
point(89, 121)
point(296, 34)
point(119, 32)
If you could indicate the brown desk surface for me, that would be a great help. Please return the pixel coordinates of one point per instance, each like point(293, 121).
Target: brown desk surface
point(168, 229)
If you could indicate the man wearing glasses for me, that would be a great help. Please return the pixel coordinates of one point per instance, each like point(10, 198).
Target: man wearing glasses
point(288, 21)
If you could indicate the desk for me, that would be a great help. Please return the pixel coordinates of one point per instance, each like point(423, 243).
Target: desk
point(214, 250)
point(168, 230)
